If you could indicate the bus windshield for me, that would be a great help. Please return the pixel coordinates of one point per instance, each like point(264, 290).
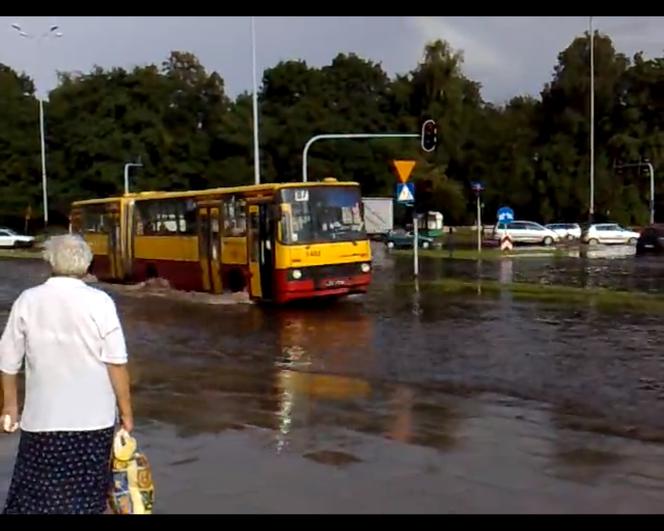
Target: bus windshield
point(321, 214)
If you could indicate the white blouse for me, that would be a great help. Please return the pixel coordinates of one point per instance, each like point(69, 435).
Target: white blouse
point(67, 332)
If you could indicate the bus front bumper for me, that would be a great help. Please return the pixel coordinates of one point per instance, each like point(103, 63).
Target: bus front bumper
point(328, 281)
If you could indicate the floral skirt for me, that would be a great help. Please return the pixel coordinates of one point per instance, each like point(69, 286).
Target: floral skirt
point(62, 472)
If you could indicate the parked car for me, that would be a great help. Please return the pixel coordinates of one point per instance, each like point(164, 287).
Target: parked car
point(609, 233)
point(401, 239)
point(525, 232)
point(651, 240)
point(566, 231)
point(9, 238)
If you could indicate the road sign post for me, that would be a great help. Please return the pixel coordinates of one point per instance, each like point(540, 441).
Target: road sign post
point(505, 215)
point(405, 194)
point(478, 188)
point(416, 263)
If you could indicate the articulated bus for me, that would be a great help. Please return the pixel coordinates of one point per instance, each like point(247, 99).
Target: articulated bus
point(280, 242)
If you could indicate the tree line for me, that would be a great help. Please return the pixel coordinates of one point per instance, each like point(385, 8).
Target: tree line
point(531, 153)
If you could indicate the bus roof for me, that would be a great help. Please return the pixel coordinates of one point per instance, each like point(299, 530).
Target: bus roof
point(156, 194)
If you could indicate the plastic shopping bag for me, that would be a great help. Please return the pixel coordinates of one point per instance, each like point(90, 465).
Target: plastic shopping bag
point(133, 490)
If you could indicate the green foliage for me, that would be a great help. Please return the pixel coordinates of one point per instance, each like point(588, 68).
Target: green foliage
point(531, 153)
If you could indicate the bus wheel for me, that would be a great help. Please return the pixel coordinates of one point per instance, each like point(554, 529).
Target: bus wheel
point(236, 281)
point(151, 271)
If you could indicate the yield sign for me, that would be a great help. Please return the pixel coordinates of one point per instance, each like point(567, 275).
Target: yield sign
point(404, 169)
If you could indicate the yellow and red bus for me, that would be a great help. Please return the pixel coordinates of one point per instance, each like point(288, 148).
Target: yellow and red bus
point(280, 242)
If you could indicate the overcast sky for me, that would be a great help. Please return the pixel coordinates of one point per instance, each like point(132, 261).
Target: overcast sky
point(508, 55)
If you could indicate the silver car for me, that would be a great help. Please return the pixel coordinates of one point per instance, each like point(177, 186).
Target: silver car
point(609, 233)
point(525, 232)
point(567, 231)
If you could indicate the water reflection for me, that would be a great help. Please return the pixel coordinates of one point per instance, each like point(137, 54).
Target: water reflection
point(317, 347)
point(435, 392)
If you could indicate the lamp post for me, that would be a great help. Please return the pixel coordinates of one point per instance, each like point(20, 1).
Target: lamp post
point(51, 33)
point(591, 211)
point(257, 162)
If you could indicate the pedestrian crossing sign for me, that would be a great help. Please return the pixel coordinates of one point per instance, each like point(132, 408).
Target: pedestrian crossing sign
point(405, 193)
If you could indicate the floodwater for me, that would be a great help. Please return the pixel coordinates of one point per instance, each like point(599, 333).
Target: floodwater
point(398, 401)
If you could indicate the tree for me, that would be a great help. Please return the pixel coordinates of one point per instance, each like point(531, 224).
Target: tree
point(20, 181)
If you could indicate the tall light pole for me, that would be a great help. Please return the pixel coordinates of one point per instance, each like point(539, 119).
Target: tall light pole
point(592, 119)
point(257, 162)
point(651, 173)
point(54, 33)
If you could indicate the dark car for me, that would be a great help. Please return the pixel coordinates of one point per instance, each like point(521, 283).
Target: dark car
point(401, 239)
point(651, 240)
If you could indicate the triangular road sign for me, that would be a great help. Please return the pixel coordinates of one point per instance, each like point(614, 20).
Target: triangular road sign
point(404, 169)
point(405, 194)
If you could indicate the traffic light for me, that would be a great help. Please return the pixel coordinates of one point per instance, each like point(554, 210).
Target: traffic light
point(429, 139)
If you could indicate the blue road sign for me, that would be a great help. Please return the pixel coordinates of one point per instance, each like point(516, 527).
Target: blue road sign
point(406, 193)
point(505, 215)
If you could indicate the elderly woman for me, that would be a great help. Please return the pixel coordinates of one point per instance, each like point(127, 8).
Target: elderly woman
point(75, 374)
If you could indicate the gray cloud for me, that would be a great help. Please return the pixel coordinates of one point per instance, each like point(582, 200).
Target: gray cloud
point(508, 55)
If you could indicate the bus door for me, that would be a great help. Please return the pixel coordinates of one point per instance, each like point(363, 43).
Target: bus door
point(209, 250)
point(215, 250)
point(127, 234)
point(254, 243)
point(266, 233)
point(114, 242)
point(261, 250)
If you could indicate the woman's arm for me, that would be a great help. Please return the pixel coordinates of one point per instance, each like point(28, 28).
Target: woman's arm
point(9, 398)
point(114, 355)
point(12, 351)
point(119, 375)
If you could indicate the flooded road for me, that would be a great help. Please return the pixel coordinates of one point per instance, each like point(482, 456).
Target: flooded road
point(398, 401)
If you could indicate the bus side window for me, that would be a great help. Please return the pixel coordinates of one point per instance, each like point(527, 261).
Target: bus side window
point(93, 219)
point(235, 217)
point(188, 221)
point(165, 218)
point(138, 222)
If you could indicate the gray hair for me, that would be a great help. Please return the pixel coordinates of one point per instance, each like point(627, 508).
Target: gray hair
point(68, 254)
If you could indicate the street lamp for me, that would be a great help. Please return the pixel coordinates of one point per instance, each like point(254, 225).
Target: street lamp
point(592, 119)
point(257, 162)
point(54, 33)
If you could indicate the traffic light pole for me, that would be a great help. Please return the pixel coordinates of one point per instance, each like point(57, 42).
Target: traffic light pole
point(335, 136)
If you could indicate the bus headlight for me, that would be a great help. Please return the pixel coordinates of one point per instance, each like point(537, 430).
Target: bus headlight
point(365, 268)
point(296, 274)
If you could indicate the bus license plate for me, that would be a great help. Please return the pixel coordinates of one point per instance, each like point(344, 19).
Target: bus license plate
point(334, 283)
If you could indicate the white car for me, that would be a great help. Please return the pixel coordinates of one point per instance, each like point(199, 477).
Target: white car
point(526, 232)
point(567, 231)
point(9, 238)
point(609, 233)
